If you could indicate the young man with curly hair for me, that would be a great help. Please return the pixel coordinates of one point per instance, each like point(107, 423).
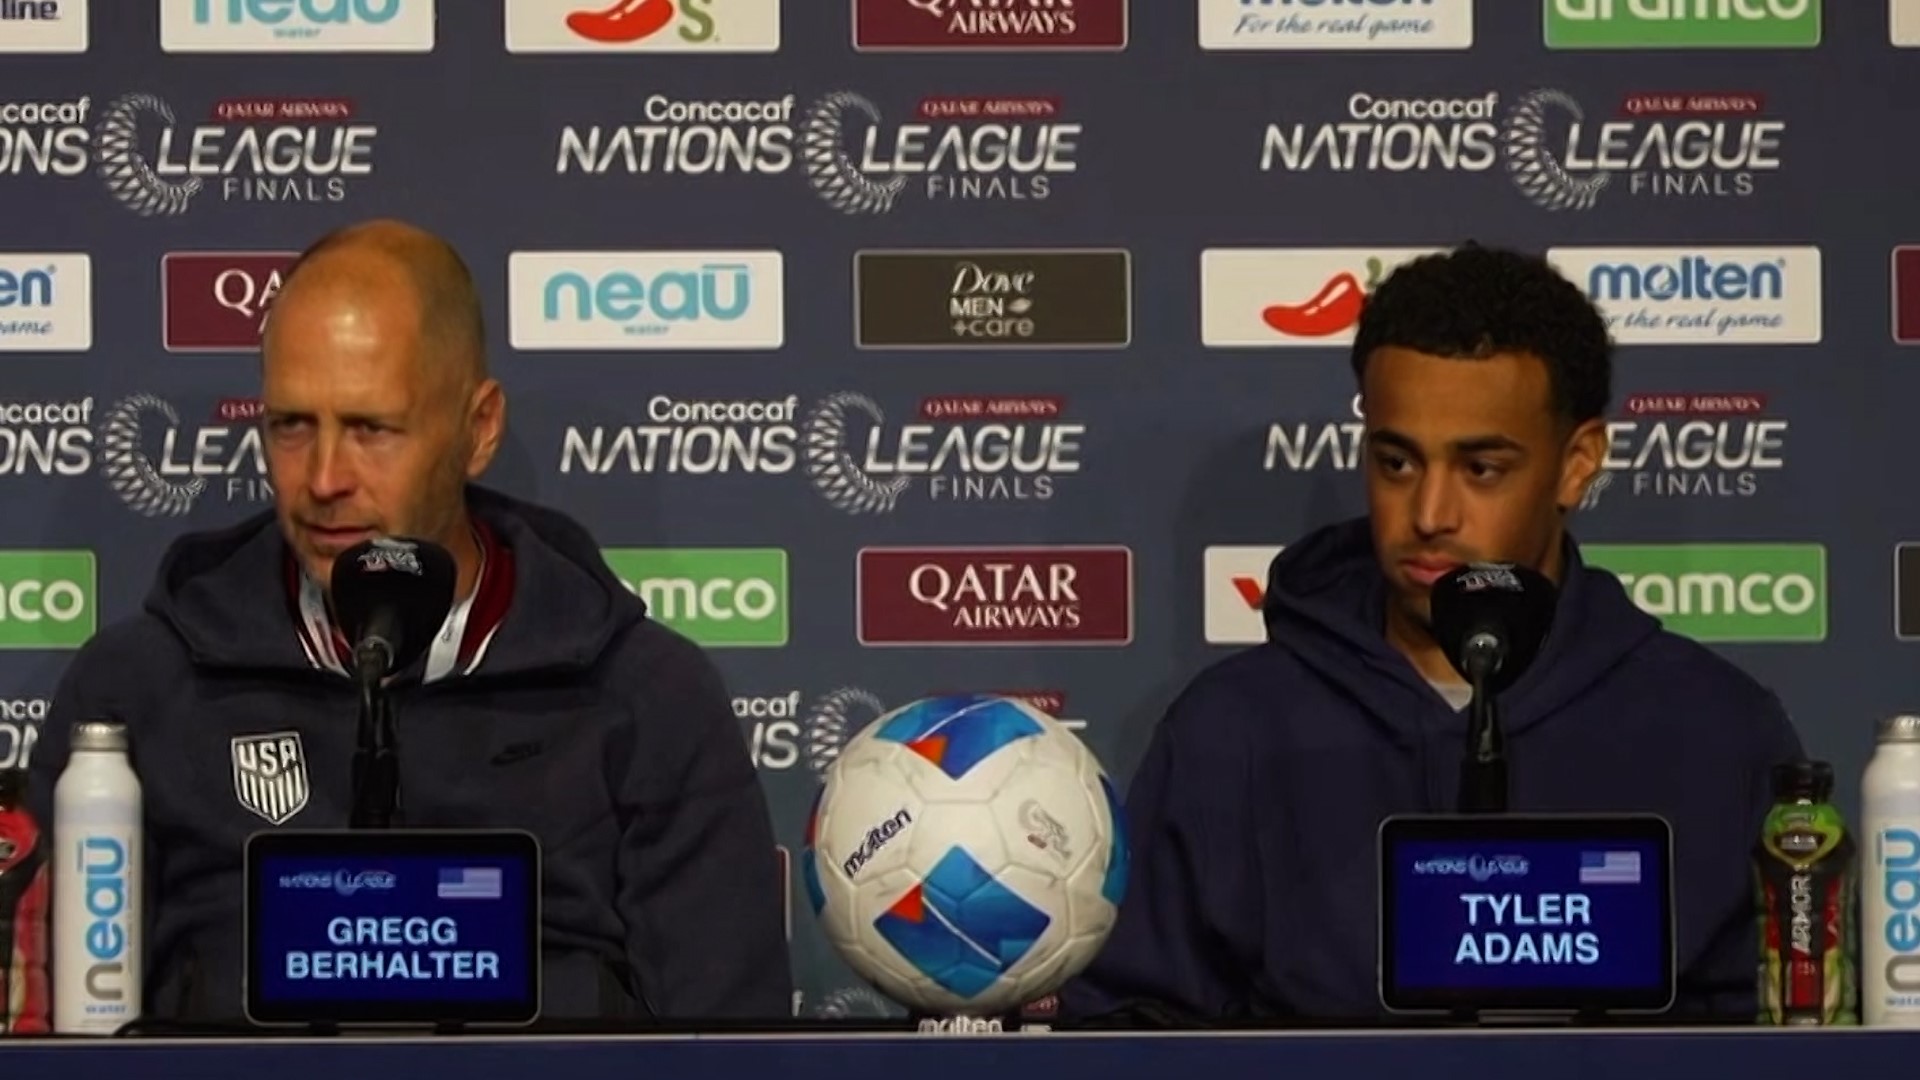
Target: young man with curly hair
point(1483, 377)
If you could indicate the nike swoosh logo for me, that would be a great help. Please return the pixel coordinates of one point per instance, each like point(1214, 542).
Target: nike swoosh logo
point(515, 752)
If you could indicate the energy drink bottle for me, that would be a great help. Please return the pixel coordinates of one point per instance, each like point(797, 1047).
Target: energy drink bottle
point(1806, 880)
point(1890, 889)
point(23, 911)
point(96, 885)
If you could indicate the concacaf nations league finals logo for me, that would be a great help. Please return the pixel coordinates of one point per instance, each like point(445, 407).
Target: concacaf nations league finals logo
point(1558, 154)
point(158, 162)
point(158, 462)
point(970, 148)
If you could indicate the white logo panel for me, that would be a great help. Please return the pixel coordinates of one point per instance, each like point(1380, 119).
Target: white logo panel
point(1234, 577)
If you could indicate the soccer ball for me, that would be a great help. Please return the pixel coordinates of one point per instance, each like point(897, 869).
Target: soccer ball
point(966, 855)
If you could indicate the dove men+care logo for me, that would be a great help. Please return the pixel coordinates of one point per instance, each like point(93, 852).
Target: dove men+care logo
point(159, 161)
point(858, 158)
point(1559, 151)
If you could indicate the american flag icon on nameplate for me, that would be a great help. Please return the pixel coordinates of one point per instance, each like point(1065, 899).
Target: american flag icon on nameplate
point(1609, 868)
point(470, 883)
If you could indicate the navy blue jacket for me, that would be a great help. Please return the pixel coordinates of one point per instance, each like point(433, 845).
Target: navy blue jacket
point(604, 733)
point(1254, 811)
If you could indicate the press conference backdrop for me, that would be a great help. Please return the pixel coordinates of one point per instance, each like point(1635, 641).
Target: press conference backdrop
point(903, 346)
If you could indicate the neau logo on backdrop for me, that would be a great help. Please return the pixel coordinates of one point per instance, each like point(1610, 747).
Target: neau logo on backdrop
point(788, 730)
point(46, 302)
point(1906, 293)
point(956, 449)
point(320, 26)
point(1557, 153)
point(1337, 24)
point(601, 300)
point(643, 26)
point(47, 599)
point(158, 465)
point(965, 149)
point(1724, 593)
point(156, 163)
point(1701, 296)
point(1680, 446)
point(965, 299)
point(1271, 297)
point(217, 301)
point(43, 26)
point(990, 25)
point(1234, 586)
point(1681, 24)
point(718, 597)
point(981, 596)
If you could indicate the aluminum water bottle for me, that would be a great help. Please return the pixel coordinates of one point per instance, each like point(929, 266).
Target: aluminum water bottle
point(1890, 893)
point(97, 968)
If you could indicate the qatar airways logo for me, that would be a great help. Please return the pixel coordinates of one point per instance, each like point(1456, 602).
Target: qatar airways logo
point(1558, 153)
point(967, 149)
point(1477, 867)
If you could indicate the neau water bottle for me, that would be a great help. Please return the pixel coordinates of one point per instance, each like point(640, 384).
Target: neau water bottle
point(1890, 893)
point(1805, 880)
point(96, 885)
point(23, 911)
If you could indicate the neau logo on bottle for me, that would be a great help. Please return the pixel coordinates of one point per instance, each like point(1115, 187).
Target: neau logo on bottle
point(1897, 851)
point(104, 861)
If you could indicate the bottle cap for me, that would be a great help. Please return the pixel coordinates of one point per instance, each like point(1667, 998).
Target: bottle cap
point(1811, 780)
point(99, 735)
point(1903, 728)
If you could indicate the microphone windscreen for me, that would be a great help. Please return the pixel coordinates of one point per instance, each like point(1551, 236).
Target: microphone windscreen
point(410, 580)
point(1510, 601)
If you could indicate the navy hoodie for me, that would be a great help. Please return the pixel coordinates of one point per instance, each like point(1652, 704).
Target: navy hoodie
point(1254, 812)
point(608, 736)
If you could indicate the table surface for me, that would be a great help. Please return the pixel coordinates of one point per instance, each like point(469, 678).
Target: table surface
point(1643, 1054)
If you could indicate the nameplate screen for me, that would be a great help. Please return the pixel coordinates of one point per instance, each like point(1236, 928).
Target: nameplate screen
point(376, 927)
point(1509, 913)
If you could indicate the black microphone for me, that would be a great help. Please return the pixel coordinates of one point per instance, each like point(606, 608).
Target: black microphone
point(1490, 619)
point(390, 597)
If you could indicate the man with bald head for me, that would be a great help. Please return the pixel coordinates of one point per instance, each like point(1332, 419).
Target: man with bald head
point(548, 701)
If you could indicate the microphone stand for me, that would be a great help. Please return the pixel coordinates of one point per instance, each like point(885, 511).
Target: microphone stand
point(376, 768)
point(1483, 772)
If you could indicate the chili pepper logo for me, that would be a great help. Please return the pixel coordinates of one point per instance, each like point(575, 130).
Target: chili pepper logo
point(1331, 310)
point(623, 22)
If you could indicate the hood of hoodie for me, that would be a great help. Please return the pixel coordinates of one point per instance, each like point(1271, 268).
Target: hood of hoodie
point(220, 592)
point(1326, 604)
